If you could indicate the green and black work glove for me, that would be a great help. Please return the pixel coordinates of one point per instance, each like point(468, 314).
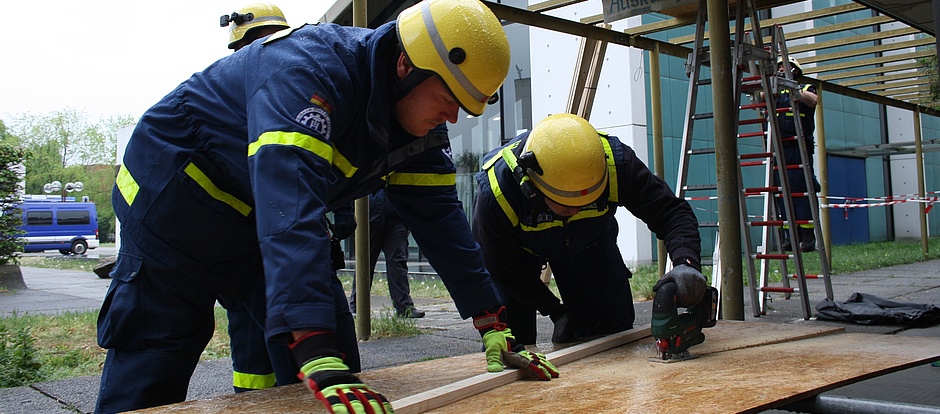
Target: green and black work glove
point(690, 284)
point(326, 375)
point(502, 350)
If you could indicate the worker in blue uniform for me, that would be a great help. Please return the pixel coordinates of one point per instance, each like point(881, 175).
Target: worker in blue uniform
point(226, 182)
point(252, 367)
point(806, 99)
point(549, 196)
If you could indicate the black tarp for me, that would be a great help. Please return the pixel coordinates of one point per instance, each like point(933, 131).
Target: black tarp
point(865, 309)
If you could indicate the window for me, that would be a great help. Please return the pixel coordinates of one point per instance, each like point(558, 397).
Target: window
point(39, 218)
point(73, 217)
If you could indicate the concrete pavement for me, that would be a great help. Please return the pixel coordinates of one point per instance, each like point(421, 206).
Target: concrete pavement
point(52, 291)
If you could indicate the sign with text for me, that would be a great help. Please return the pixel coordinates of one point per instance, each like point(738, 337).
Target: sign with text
point(621, 9)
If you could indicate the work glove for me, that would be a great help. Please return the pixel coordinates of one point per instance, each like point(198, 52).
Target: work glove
point(690, 284)
point(564, 327)
point(325, 374)
point(502, 350)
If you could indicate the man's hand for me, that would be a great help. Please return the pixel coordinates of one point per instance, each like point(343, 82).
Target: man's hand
point(564, 327)
point(502, 350)
point(535, 363)
point(328, 378)
point(341, 392)
point(690, 284)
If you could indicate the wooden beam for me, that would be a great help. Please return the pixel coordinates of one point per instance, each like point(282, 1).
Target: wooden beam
point(868, 62)
point(889, 47)
point(845, 41)
point(457, 391)
point(879, 78)
point(799, 34)
point(557, 24)
point(880, 70)
point(552, 5)
point(895, 85)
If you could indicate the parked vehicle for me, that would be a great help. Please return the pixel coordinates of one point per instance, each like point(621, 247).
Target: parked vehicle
point(70, 227)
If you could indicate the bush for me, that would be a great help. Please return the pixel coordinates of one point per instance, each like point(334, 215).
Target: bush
point(19, 362)
point(10, 242)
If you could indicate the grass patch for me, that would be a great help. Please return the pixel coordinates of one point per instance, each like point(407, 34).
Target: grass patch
point(59, 262)
point(36, 348)
point(387, 324)
point(65, 346)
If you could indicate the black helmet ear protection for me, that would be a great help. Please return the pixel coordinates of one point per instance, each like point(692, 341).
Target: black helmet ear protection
point(519, 164)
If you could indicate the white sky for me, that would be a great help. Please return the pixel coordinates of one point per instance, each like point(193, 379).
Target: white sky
point(108, 57)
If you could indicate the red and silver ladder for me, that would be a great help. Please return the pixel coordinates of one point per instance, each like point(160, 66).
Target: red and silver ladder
point(761, 152)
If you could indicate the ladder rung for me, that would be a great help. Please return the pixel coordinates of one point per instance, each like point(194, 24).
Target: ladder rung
point(710, 224)
point(761, 190)
point(751, 134)
point(772, 256)
point(805, 276)
point(750, 87)
point(776, 289)
point(766, 223)
point(696, 151)
point(753, 163)
point(751, 121)
point(704, 115)
point(756, 155)
point(701, 187)
point(757, 105)
point(703, 82)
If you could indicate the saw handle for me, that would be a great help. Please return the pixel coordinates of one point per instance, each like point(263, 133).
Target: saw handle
point(665, 299)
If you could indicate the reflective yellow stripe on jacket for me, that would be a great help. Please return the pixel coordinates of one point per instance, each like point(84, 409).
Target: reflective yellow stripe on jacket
point(308, 143)
point(129, 188)
point(422, 179)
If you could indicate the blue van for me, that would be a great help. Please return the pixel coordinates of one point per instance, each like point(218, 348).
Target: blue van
point(66, 226)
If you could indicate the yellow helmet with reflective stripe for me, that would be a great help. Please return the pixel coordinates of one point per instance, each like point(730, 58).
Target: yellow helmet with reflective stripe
point(250, 17)
point(462, 42)
point(571, 158)
point(793, 62)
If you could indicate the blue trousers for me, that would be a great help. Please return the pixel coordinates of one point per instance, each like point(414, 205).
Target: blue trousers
point(594, 285)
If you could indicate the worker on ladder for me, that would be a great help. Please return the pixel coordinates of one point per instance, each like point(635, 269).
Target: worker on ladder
point(550, 196)
point(806, 98)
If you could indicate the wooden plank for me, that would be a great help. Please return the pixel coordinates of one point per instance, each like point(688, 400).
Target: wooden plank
point(449, 393)
point(746, 380)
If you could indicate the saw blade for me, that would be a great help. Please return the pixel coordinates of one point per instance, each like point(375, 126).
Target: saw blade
point(668, 358)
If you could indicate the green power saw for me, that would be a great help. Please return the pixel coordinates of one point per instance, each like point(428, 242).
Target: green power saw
point(675, 333)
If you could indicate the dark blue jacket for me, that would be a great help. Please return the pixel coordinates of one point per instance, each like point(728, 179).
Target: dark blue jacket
point(785, 118)
point(244, 159)
point(508, 225)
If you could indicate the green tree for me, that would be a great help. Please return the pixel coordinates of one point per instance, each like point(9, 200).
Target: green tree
point(10, 242)
point(932, 72)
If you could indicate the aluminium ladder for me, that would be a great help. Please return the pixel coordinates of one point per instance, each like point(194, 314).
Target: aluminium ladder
point(760, 145)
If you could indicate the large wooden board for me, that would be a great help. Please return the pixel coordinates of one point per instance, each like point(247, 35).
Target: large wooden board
point(740, 380)
point(403, 382)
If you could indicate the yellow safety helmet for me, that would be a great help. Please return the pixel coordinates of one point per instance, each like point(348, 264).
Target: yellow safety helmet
point(463, 43)
point(793, 62)
point(572, 164)
point(251, 17)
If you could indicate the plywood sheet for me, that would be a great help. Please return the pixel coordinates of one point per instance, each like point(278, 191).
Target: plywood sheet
point(404, 381)
point(748, 380)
